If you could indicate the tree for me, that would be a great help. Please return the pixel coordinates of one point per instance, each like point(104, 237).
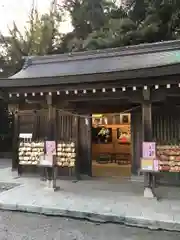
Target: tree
point(158, 20)
point(97, 24)
point(96, 12)
point(41, 37)
point(149, 21)
point(87, 16)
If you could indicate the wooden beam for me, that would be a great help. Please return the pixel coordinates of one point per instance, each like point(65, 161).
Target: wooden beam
point(130, 96)
point(105, 109)
point(116, 79)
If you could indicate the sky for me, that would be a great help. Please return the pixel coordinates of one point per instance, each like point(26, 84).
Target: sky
point(18, 10)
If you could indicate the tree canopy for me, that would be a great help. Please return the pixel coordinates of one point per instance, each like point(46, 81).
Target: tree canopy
point(109, 25)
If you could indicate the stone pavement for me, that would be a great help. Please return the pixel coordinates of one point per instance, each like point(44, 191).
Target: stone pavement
point(97, 200)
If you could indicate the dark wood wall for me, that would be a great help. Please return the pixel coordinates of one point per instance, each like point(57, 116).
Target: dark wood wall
point(35, 122)
point(166, 126)
point(66, 125)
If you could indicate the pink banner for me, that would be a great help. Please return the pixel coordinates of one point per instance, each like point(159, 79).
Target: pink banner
point(156, 165)
point(51, 147)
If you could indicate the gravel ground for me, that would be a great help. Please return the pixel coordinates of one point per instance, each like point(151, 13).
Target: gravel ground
point(19, 226)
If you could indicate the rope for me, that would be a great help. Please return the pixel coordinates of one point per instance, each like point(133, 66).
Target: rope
point(90, 117)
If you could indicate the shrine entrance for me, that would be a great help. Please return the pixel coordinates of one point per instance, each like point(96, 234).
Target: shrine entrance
point(111, 145)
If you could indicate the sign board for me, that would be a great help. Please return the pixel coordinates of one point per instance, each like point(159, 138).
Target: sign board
point(97, 115)
point(25, 135)
point(50, 147)
point(149, 165)
point(156, 165)
point(46, 160)
point(149, 150)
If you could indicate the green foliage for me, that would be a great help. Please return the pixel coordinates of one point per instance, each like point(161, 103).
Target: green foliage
point(137, 21)
point(41, 36)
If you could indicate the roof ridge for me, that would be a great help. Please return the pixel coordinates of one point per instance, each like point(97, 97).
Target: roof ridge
point(105, 53)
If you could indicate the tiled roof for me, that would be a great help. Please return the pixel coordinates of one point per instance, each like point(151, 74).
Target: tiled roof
point(133, 62)
point(104, 61)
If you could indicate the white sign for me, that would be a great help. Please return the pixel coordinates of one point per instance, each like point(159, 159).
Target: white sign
point(147, 168)
point(149, 150)
point(46, 160)
point(25, 135)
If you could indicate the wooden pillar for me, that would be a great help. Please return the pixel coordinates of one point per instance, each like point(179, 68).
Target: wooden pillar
point(85, 144)
point(50, 118)
point(136, 139)
point(51, 136)
point(147, 121)
point(78, 149)
point(51, 131)
point(89, 147)
point(147, 136)
point(13, 108)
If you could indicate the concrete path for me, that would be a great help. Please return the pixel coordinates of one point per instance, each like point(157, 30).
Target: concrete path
point(104, 201)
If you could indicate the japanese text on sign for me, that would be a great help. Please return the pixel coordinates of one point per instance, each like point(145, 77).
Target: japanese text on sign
point(149, 150)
